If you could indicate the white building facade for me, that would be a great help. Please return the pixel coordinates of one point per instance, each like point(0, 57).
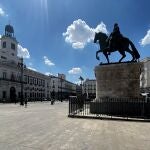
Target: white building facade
point(35, 85)
point(89, 88)
point(61, 88)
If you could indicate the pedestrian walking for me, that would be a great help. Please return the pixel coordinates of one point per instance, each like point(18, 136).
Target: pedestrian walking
point(52, 101)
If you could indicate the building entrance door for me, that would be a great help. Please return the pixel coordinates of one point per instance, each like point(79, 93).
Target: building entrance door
point(12, 94)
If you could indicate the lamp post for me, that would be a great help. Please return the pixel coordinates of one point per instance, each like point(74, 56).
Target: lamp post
point(22, 67)
point(53, 93)
point(61, 80)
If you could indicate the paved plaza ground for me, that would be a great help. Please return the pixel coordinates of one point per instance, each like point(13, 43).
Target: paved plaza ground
point(42, 126)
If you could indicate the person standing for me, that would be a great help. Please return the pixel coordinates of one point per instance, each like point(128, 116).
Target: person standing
point(115, 37)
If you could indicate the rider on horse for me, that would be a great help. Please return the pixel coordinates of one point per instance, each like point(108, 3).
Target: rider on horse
point(115, 42)
point(115, 37)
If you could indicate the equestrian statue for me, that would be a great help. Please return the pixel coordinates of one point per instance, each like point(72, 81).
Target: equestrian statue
point(115, 42)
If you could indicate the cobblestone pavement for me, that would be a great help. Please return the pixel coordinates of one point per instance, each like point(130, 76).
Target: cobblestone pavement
point(42, 126)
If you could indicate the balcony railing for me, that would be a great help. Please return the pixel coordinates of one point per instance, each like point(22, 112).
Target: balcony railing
point(13, 80)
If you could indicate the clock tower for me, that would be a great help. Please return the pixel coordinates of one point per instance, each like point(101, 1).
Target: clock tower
point(9, 46)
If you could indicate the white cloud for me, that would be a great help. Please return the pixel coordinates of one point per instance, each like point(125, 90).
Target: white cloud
point(146, 40)
point(32, 68)
point(75, 71)
point(23, 52)
point(79, 33)
point(48, 73)
point(2, 13)
point(48, 62)
point(101, 28)
point(77, 82)
point(78, 45)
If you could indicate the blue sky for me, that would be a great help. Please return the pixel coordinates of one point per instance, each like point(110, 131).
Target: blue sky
point(56, 36)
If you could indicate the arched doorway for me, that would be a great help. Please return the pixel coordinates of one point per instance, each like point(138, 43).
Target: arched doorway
point(12, 94)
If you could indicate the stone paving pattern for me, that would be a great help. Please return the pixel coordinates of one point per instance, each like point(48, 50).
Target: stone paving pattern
point(42, 126)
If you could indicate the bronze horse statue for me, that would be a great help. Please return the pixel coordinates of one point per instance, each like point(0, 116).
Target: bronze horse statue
point(121, 47)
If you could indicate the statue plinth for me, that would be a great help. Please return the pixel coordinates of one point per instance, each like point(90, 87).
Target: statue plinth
point(120, 80)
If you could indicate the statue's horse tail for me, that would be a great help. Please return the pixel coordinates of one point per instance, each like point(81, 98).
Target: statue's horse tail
point(135, 51)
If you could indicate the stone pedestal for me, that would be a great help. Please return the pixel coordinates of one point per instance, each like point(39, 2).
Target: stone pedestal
point(121, 80)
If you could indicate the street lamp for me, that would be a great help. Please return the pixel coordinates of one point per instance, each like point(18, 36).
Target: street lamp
point(61, 80)
point(22, 67)
point(53, 93)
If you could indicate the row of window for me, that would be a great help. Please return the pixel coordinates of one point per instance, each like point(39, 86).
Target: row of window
point(13, 46)
point(34, 95)
point(28, 79)
point(3, 57)
point(12, 76)
point(34, 89)
point(34, 81)
point(4, 94)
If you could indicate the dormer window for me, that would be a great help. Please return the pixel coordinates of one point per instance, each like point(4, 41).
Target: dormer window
point(4, 44)
point(13, 46)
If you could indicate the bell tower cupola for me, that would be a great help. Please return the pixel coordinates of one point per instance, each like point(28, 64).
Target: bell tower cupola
point(9, 31)
point(8, 45)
